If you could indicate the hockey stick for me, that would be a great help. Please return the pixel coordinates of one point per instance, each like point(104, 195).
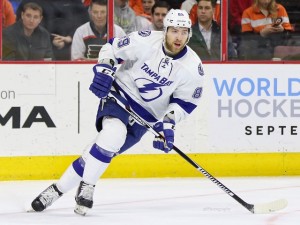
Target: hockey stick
point(254, 208)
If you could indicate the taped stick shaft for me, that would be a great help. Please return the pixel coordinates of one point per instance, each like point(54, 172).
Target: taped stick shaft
point(260, 208)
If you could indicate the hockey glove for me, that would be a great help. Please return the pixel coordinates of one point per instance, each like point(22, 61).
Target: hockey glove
point(103, 79)
point(167, 128)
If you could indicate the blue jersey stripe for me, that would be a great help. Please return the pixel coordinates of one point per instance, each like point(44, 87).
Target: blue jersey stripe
point(111, 41)
point(187, 106)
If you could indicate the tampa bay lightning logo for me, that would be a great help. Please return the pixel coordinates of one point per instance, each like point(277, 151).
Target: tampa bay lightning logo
point(149, 90)
point(144, 33)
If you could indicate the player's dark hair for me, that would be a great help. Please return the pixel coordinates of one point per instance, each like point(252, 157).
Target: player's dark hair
point(160, 4)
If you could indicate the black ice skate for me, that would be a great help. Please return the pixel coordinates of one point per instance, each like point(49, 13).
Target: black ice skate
point(84, 198)
point(46, 198)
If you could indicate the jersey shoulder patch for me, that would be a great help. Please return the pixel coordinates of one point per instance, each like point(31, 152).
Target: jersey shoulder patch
point(200, 69)
point(144, 33)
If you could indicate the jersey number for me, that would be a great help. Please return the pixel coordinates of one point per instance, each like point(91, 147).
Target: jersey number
point(197, 92)
point(123, 42)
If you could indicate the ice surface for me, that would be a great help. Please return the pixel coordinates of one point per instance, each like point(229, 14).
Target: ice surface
point(164, 201)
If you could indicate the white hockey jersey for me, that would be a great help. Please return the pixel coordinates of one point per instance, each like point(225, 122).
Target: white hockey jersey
point(153, 83)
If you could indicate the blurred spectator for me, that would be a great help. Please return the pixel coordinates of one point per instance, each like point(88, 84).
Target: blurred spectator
point(147, 6)
point(142, 23)
point(260, 30)
point(125, 16)
point(187, 5)
point(158, 12)
point(206, 39)
point(26, 39)
point(137, 6)
point(8, 14)
point(293, 9)
point(61, 18)
point(142, 8)
point(236, 9)
point(175, 4)
point(216, 16)
point(41, 3)
point(91, 36)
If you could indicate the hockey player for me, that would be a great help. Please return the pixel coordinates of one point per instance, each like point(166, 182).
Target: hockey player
point(160, 79)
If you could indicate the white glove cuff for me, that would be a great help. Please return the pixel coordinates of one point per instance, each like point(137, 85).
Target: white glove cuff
point(169, 126)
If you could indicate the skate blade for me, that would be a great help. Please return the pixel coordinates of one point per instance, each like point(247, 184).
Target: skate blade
point(81, 210)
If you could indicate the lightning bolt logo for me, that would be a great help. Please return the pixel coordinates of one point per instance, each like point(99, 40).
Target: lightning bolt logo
point(149, 91)
point(149, 87)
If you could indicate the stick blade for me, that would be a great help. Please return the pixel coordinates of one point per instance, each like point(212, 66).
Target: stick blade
point(27, 207)
point(270, 207)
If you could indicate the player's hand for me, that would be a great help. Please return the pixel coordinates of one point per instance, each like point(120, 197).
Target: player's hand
point(103, 79)
point(167, 128)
